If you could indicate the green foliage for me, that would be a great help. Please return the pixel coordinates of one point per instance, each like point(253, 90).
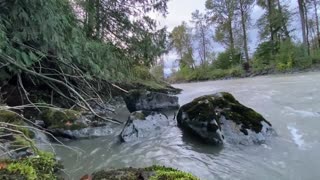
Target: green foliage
point(315, 56)
point(222, 13)
point(184, 74)
point(180, 40)
point(301, 58)
point(23, 169)
point(273, 24)
point(42, 166)
point(141, 72)
point(158, 71)
point(226, 60)
point(264, 54)
point(43, 25)
point(202, 73)
point(152, 173)
point(162, 172)
point(285, 56)
point(47, 34)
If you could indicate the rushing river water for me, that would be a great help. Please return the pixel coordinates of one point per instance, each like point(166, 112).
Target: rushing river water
point(290, 102)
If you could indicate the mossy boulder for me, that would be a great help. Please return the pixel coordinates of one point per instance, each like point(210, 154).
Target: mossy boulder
point(142, 124)
point(220, 117)
point(149, 173)
point(137, 100)
point(72, 124)
point(56, 118)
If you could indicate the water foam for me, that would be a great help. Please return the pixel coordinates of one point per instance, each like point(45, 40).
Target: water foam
point(302, 113)
point(297, 137)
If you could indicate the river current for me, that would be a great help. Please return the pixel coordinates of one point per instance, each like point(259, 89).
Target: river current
point(290, 102)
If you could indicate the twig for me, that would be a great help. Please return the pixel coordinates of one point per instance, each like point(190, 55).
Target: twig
point(120, 88)
point(30, 127)
point(19, 132)
point(4, 65)
point(64, 84)
point(14, 150)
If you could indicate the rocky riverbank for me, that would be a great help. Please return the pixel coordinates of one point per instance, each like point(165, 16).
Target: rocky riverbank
point(214, 119)
point(20, 124)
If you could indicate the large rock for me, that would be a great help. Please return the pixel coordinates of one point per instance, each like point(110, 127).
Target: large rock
point(137, 100)
point(143, 124)
point(220, 117)
point(74, 124)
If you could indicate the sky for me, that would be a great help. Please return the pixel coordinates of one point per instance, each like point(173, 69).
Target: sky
point(181, 10)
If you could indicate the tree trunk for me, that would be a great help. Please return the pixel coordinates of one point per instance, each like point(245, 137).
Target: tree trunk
point(284, 24)
point(98, 20)
point(307, 27)
point(231, 39)
point(303, 22)
point(90, 24)
point(270, 20)
point(317, 21)
point(203, 45)
point(244, 31)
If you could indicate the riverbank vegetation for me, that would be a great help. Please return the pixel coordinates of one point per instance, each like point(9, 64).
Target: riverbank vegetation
point(227, 23)
point(66, 54)
point(73, 49)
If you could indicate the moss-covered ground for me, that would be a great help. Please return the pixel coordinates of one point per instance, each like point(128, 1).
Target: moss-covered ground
point(149, 173)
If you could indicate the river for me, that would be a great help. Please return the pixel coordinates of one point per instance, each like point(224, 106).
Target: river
point(290, 102)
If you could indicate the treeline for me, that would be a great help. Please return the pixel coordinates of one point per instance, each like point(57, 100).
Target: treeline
point(73, 48)
point(228, 22)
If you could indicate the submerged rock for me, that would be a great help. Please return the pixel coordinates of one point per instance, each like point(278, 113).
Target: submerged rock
point(143, 124)
point(220, 117)
point(87, 132)
point(149, 173)
point(137, 100)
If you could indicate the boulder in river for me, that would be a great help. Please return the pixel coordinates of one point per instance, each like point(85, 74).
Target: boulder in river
point(148, 173)
point(137, 100)
point(143, 124)
point(220, 117)
point(74, 124)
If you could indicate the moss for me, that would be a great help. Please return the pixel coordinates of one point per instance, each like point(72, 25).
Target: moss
point(13, 118)
point(206, 108)
point(57, 118)
point(42, 166)
point(22, 169)
point(165, 173)
point(123, 174)
point(229, 97)
point(19, 141)
point(6, 175)
point(149, 173)
point(8, 116)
